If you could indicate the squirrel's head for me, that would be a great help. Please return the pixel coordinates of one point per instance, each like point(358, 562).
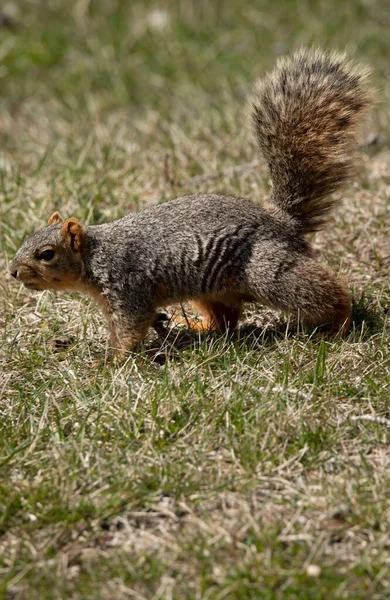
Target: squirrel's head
point(53, 257)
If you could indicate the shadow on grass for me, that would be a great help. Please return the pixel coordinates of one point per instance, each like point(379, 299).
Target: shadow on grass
point(367, 318)
point(253, 334)
point(256, 334)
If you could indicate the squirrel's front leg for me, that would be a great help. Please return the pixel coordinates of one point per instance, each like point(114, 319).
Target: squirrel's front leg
point(127, 332)
point(129, 311)
point(129, 317)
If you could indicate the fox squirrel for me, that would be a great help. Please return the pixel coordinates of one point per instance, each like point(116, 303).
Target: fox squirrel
point(221, 251)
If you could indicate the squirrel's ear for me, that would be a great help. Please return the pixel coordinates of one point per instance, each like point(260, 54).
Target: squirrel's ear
point(74, 234)
point(55, 219)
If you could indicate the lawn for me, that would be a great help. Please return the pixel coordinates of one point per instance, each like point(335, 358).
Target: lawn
point(250, 466)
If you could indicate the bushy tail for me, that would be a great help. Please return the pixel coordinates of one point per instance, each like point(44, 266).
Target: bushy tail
point(304, 115)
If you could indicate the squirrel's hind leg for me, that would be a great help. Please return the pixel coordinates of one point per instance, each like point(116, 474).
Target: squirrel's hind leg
point(309, 291)
point(222, 313)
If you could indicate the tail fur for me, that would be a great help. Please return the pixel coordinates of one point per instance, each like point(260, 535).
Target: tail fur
point(304, 115)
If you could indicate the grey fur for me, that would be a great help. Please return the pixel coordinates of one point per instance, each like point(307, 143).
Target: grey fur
point(221, 251)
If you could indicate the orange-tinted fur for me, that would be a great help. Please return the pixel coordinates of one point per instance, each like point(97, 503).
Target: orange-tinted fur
point(219, 251)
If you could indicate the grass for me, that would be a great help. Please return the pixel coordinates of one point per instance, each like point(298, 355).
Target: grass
point(207, 467)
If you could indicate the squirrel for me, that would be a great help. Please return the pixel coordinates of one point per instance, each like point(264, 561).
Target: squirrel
point(220, 251)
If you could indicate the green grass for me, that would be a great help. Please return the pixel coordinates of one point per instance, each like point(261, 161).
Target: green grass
point(206, 467)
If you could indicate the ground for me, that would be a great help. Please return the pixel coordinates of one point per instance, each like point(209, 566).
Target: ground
point(253, 466)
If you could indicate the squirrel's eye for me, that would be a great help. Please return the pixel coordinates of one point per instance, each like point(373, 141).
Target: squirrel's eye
point(46, 255)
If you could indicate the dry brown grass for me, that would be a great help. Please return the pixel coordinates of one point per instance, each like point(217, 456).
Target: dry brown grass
point(207, 467)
